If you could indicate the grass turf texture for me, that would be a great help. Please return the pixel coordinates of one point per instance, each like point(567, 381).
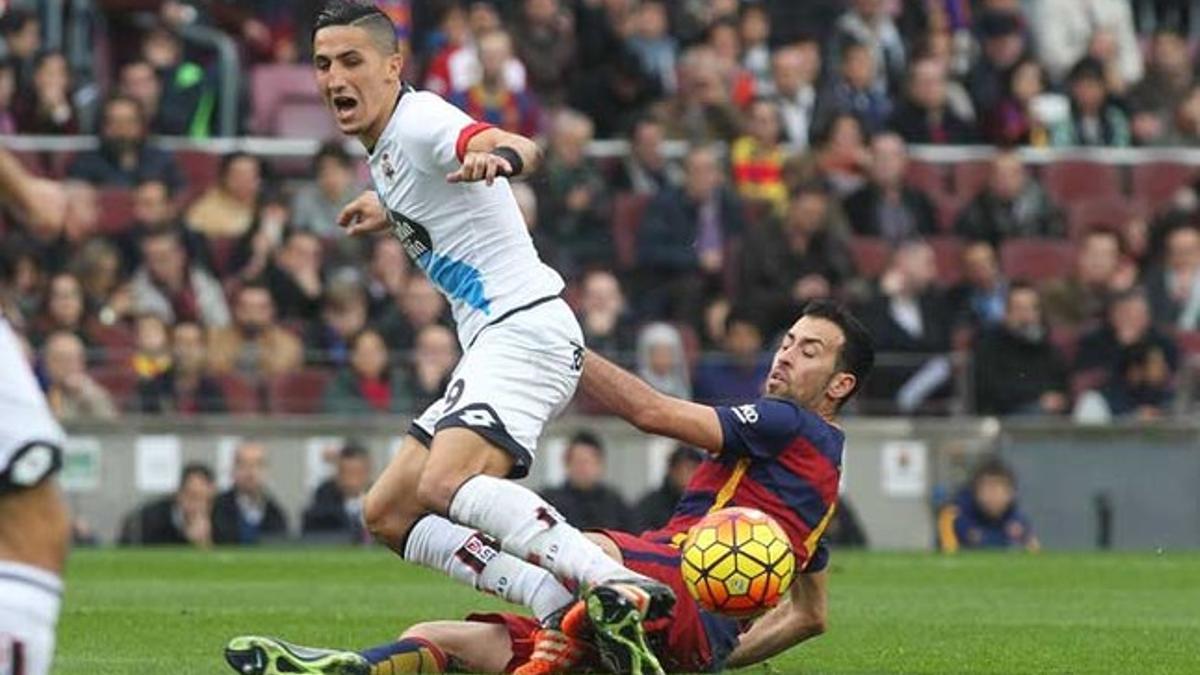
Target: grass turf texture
point(173, 611)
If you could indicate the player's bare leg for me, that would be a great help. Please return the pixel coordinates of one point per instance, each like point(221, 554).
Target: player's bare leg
point(34, 539)
point(389, 509)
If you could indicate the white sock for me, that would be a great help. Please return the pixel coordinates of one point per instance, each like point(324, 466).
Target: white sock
point(529, 528)
point(29, 601)
point(474, 559)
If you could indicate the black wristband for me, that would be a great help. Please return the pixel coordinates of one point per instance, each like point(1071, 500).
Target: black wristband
point(514, 160)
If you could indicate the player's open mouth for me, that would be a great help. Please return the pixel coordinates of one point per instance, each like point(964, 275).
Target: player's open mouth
point(344, 105)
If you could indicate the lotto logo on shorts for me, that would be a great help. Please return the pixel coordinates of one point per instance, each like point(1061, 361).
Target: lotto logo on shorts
point(477, 418)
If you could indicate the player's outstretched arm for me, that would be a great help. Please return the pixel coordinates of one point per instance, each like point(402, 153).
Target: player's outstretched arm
point(43, 201)
point(651, 411)
point(799, 617)
point(494, 153)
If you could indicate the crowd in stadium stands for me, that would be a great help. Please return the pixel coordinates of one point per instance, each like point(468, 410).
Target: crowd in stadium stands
point(182, 284)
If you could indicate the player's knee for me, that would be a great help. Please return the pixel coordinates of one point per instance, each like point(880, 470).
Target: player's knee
point(814, 623)
point(436, 489)
point(383, 519)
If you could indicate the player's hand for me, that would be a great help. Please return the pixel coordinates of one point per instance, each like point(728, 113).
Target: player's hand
point(45, 202)
point(481, 166)
point(364, 215)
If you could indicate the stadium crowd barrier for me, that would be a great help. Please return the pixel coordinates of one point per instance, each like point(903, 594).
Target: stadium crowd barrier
point(1128, 487)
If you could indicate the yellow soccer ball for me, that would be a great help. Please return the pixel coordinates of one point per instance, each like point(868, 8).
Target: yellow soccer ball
point(737, 562)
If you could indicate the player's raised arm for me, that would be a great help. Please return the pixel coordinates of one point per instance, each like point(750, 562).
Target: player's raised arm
point(43, 201)
point(799, 617)
point(651, 411)
point(493, 153)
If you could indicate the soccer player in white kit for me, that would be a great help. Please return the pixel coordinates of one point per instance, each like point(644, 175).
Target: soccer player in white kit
point(34, 527)
point(441, 186)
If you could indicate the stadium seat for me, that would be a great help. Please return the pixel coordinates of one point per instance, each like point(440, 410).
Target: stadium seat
point(1188, 342)
point(1067, 181)
point(297, 393)
point(1066, 339)
point(628, 209)
point(948, 207)
point(116, 210)
point(241, 394)
point(1035, 260)
point(970, 177)
point(273, 84)
point(947, 252)
point(871, 255)
point(929, 177)
point(1157, 182)
point(115, 342)
point(200, 169)
point(1112, 212)
point(304, 119)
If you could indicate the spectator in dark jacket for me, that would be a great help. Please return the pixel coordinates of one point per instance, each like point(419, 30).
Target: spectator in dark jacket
point(1127, 323)
point(1010, 205)
point(645, 170)
point(343, 315)
point(49, 110)
point(1174, 287)
point(184, 518)
point(857, 91)
point(125, 158)
point(1095, 119)
point(926, 117)
point(186, 388)
point(1141, 385)
point(154, 211)
point(887, 207)
point(1018, 371)
point(246, 514)
point(584, 499)
point(737, 373)
point(603, 315)
point(655, 508)
point(574, 205)
point(295, 277)
point(369, 384)
point(978, 301)
point(985, 513)
point(336, 506)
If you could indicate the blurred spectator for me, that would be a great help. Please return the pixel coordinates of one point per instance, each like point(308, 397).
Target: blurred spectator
point(23, 281)
point(645, 170)
point(491, 98)
point(1018, 371)
point(387, 275)
point(171, 286)
point(1013, 120)
point(978, 301)
point(1095, 119)
point(754, 29)
point(1127, 322)
point(295, 277)
point(429, 369)
point(1003, 43)
point(1169, 77)
point(246, 513)
point(455, 35)
point(50, 111)
point(184, 518)
point(106, 294)
point(574, 204)
point(337, 504)
point(683, 235)
point(925, 116)
point(63, 310)
point(1185, 127)
point(736, 373)
point(343, 315)
point(845, 530)
point(1141, 385)
point(838, 155)
point(457, 67)
point(545, 43)
point(185, 389)
point(227, 208)
point(154, 211)
point(124, 158)
point(656, 507)
point(188, 100)
point(651, 41)
point(756, 159)
point(71, 392)
point(317, 204)
point(585, 500)
point(909, 319)
point(856, 90)
point(419, 306)
point(795, 69)
point(255, 249)
point(985, 513)
point(1174, 287)
point(787, 263)
point(603, 315)
point(254, 344)
point(1009, 206)
point(21, 37)
point(1099, 273)
point(867, 23)
point(368, 386)
point(662, 361)
point(170, 112)
point(887, 207)
point(726, 42)
point(1069, 30)
point(701, 111)
point(8, 89)
point(151, 348)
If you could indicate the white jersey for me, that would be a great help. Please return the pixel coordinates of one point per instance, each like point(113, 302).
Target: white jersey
point(468, 237)
point(24, 416)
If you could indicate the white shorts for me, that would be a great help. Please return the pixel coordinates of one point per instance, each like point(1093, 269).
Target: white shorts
point(30, 437)
point(518, 373)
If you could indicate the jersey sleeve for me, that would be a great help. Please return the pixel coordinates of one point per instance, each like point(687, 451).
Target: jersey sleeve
point(436, 134)
point(765, 428)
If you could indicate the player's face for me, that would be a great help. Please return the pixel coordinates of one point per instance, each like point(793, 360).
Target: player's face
point(356, 79)
point(805, 366)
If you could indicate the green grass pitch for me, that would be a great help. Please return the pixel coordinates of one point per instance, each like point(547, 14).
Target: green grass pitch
point(172, 611)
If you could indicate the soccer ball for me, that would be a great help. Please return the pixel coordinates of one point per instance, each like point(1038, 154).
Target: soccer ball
point(737, 562)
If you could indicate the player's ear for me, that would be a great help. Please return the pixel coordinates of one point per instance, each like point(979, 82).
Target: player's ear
point(395, 66)
point(840, 386)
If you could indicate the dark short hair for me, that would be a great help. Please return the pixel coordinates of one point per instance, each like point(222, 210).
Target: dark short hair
point(117, 99)
point(361, 14)
point(1019, 287)
point(1087, 68)
point(155, 180)
point(992, 466)
point(195, 469)
point(857, 355)
point(229, 158)
point(353, 449)
point(332, 150)
point(15, 20)
point(588, 438)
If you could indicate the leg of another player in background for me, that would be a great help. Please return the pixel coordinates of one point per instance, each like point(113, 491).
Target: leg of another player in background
point(396, 517)
point(35, 535)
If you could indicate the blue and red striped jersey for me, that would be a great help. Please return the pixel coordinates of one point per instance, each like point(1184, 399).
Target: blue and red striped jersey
point(778, 458)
